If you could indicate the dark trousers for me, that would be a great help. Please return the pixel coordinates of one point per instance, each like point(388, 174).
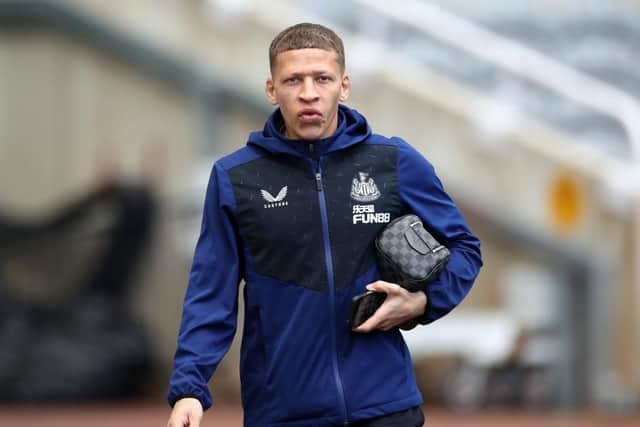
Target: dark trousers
point(412, 417)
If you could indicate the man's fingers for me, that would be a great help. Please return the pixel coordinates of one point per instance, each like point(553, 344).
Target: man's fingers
point(391, 313)
point(369, 325)
point(382, 286)
point(398, 310)
point(373, 322)
point(190, 420)
point(194, 420)
point(178, 421)
point(187, 412)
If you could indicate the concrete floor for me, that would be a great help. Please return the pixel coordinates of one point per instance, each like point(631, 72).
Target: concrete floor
point(156, 415)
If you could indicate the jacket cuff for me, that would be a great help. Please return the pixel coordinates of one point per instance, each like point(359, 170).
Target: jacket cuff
point(204, 398)
point(425, 318)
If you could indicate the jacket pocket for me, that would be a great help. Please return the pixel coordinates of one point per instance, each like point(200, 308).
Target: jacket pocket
point(253, 360)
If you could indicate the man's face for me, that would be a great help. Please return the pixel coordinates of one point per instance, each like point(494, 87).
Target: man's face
point(308, 84)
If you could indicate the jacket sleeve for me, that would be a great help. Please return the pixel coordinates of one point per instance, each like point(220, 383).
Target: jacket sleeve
point(425, 196)
point(211, 302)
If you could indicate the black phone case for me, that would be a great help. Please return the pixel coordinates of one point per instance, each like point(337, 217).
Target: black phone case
point(364, 305)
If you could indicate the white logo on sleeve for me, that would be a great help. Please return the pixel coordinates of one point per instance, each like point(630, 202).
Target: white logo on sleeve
point(364, 189)
point(277, 201)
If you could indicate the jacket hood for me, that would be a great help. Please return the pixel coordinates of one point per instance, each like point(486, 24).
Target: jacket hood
point(352, 129)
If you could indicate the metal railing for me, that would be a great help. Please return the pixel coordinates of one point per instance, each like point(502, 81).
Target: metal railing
point(520, 60)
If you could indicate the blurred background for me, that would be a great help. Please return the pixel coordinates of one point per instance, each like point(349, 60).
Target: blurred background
point(113, 112)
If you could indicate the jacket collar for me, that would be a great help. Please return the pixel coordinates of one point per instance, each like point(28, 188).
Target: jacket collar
point(352, 129)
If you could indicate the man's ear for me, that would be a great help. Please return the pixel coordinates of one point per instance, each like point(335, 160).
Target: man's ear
point(345, 87)
point(270, 91)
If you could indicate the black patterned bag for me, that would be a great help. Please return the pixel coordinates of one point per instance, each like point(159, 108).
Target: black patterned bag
point(408, 254)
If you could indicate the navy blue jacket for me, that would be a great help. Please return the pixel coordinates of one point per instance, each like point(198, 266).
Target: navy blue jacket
point(297, 221)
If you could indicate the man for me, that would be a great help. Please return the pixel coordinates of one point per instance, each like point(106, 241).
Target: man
point(284, 213)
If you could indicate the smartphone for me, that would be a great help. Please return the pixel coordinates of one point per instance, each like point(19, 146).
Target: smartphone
point(364, 305)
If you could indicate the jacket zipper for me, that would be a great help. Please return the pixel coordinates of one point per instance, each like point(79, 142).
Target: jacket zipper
point(329, 264)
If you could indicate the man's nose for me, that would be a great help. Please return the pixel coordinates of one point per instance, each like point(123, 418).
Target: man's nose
point(308, 92)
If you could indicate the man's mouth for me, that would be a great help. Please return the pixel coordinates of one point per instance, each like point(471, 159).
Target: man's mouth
point(310, 116)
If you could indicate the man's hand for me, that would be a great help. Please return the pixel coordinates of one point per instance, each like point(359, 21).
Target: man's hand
point(187, 412)
point(400, 308)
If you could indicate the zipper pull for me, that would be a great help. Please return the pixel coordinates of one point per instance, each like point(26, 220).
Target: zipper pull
point(318, 182)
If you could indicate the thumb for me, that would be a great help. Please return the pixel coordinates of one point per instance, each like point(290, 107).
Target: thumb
point(381, 286)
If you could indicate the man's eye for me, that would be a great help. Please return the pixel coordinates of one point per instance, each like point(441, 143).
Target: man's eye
point(324, 79)
point(291, 80)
